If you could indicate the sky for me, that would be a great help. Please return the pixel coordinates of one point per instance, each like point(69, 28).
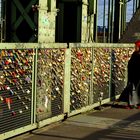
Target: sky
point(101, 15)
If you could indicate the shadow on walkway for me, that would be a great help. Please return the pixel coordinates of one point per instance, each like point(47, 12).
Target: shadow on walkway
point(107, 124)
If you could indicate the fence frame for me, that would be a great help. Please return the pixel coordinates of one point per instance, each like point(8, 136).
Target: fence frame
point(65, 99)
point(5, 46)
point(98, 45)
point(67, 75)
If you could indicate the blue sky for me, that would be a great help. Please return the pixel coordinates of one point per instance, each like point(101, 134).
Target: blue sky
point(100, 11)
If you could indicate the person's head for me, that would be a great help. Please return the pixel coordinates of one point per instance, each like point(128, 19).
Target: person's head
point(137, 45)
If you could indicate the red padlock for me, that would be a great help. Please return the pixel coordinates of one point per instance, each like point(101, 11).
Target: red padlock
point(13, 74)
point(15, 80)
point(8, 102)
point(7, 62)
point(80, 56)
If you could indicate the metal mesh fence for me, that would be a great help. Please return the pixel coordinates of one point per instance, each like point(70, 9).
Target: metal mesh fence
point(15, 88)
point(120, 57)
point(81, 68)
point(97, 73)
point(101, 73)
point(50, 83)
point(95, 70)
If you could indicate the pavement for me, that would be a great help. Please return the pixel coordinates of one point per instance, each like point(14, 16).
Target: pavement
point(109, 123)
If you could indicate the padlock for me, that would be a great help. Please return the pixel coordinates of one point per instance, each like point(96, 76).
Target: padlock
point(26, 107)
point(1, 99)
point(19, 97)
point(11, 92)
point(23, 103)
point(28, 91)
point(27, 79)
point(8, 102)
point(13, 113)
point(20, 111)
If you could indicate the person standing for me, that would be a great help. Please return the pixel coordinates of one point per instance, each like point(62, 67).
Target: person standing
point(131, 93)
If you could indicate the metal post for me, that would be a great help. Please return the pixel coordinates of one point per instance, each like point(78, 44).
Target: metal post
point(109, 21)
point(120, 18)
point(3, 20)
point(91, 82)
point(43, 25)
point(136, 4)
point(123, 16)
point(95, 21)
point(133, 7)
point(112, 20)
point(104, 17)
point(110, 80)
point(67, 73)
point(34, 85)
point(117, 21)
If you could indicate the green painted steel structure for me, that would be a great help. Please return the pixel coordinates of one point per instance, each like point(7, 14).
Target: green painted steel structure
point(20, 22)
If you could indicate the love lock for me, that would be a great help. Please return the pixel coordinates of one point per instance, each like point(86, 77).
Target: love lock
point(50, 75)
point(101, 68)
point(2, 79)
point(8, 101)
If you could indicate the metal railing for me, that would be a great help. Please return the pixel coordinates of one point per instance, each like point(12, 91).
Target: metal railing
point(41, 83)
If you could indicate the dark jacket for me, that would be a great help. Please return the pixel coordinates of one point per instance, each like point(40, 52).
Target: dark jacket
point(133, 77)
point(134, 68)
